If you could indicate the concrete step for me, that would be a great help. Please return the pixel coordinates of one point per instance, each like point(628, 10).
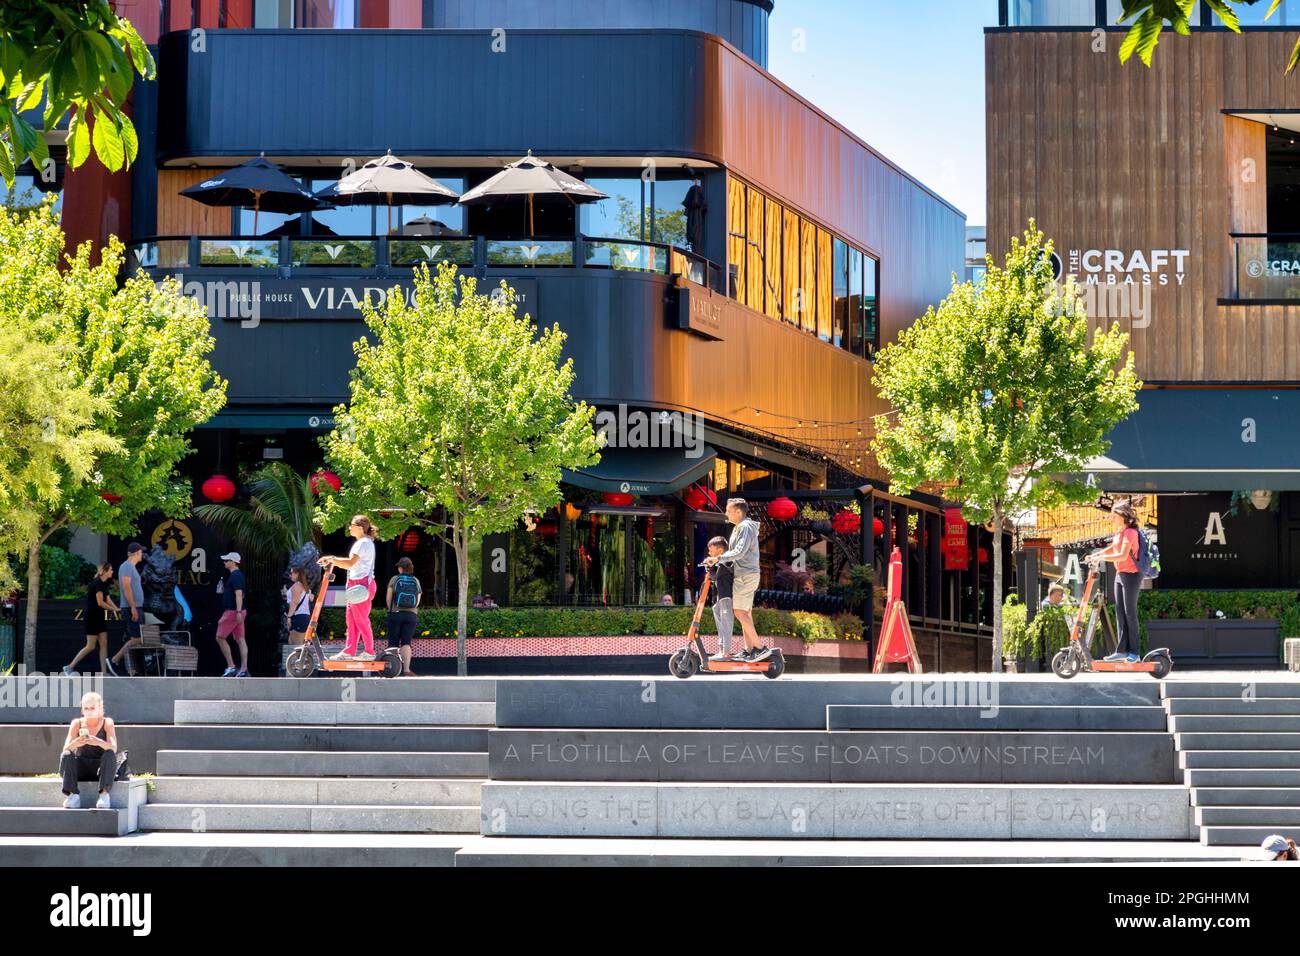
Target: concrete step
point(1244, 835)
point(188, 849)
point(1243, 777)
point(1245, 759)
point(46, 821)
point(1262, 816)
point(1269, 687)
point(803, 811)
point(309, 763)
point(1235, 723)
point(334, 713)
point(46, 793)
point(1237, 741)
point(1001, 717)
point(309, 818)
point(316, 791)
point(1260, 706)
point(1245, 796)
point(546, 852)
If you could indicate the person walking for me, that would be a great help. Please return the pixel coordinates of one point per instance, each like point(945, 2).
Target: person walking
point(131, 591)
point(360, 565)
point(233, 613)
point(98, 603)
point(89, 753)
point(742, 552)
point(1123, 551)
point(403, 600)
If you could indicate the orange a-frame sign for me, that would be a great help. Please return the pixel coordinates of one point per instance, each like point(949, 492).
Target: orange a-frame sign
point(896, 643)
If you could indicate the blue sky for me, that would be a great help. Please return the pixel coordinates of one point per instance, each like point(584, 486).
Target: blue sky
point(905, 75)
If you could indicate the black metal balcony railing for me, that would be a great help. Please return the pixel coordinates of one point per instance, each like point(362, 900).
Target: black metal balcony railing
point(393, 256)
point(1265, 266)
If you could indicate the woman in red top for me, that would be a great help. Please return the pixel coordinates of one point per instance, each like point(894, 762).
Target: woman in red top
point(1123, 553)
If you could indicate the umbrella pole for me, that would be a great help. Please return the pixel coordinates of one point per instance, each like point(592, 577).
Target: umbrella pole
point(257, 203)
point(531, 230)
point(390, 214)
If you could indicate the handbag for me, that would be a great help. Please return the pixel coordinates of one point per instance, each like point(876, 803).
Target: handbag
point(357, 593)
point(123, 767)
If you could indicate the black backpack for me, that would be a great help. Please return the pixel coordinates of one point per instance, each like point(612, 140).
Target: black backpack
point(406, 592)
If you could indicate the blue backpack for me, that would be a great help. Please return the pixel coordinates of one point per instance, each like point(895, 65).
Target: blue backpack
point(1148, 557)
point(406, 592)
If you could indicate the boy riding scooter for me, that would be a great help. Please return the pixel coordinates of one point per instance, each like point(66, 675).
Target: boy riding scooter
point(723, 578)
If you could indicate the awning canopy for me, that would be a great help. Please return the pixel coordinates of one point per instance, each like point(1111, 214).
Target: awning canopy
point(273, 417)
point(643, 471)
point(1204, 439)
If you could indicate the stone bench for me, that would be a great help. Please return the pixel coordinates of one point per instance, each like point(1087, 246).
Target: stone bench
point(33, 805)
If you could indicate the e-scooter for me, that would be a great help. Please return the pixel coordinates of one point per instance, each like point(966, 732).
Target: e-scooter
point(1074, 657)
point(694, 659)
point(304, 661)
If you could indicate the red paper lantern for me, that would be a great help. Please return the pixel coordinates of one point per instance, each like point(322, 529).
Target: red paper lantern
point(548, 527)
point(218, 488)
point(782, 509)
point(620, 499)
point(408, 541)
point(111, 498)
point(697, 498)
point(325, 477)
point(877, 527)
point(846, 522)
point(983, 555)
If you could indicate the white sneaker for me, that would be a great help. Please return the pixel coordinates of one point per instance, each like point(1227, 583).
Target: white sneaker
point(342, 656)
point(105, 802)
point(363, 656)
point(111, 669)
point(73, 802)
point(720, 656)
point(67, 669)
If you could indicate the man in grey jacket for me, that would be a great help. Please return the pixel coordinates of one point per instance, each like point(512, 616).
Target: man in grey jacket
point(742, 552)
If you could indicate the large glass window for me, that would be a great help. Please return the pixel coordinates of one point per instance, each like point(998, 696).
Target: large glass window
point(736, 238)
point(825, 290)
point(30, 189)
point(807, 276)
point(870, 305)
point(305, 14)
point(1052, 13)
point(667, 219)
point(596, 563)
point(854, 329)
point(344, 220)
point(772, 253)
point(840, 307)
point(790, 268)
point(1288, 14)
point(754, 265)
point(618, 217)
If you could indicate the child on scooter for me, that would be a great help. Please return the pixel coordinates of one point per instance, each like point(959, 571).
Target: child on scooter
point(723, 576)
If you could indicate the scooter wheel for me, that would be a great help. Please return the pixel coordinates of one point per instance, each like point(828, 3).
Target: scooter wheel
point(392, 662)
point(683, 663)
point(775, 666)
point(301, 662)
point(1163, 664)
point(1064, 664)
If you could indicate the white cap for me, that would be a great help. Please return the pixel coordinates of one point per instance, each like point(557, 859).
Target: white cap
point(232, 556)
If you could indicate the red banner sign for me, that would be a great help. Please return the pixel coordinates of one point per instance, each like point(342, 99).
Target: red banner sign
point(956, 554)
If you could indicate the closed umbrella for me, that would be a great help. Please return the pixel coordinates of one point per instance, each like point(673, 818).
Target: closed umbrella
point(257, 183)
point(385, 181)
point(529, 177)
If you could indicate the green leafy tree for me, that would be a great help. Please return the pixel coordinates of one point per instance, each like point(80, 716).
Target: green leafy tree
point(80, 58)
point(137, 354)
point(1153, 15)
point(1002, 391)
point(460, 419)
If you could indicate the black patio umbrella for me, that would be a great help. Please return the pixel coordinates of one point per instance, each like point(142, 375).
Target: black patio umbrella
point(385, 181)
point(257, 183)
point(529, 177)
point(293, 227)
point(424, 226)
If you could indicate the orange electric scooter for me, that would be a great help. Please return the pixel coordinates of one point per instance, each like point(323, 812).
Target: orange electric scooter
point(310, 657)
point(694, 659)
point(1074, 657)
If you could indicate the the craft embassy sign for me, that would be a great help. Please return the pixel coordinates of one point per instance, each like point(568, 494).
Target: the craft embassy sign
point(1126, 266)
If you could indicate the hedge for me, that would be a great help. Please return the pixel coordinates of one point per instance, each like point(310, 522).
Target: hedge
point(1280, 606)
point(587, 622)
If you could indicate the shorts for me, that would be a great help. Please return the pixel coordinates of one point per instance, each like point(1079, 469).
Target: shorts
point(742, 590)
point(96, 626)
point(230, 625)
point(299, 623)
point(401, 628)
point(132, 627)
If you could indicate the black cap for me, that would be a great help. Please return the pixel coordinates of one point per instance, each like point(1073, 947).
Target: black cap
point(133, 547)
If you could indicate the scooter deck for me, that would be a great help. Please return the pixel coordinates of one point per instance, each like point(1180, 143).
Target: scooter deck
point(330, 665)
point(1140, 666)
point(732, 667)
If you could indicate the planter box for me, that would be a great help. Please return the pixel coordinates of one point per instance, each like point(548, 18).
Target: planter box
point(1213, 643)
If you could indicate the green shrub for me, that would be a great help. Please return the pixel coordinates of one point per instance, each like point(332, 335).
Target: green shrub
point(1050, 630)
point(1014, 627)
point(848, 627)
point(810, 627)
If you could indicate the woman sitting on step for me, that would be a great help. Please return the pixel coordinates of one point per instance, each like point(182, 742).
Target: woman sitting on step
point(89, 753)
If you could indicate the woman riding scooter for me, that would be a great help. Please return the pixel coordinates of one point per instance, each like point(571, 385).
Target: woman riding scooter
point(1123, 552)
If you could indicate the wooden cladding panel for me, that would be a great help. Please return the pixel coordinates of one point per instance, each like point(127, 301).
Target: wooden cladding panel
point(181, 216)
point(1106, 156)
